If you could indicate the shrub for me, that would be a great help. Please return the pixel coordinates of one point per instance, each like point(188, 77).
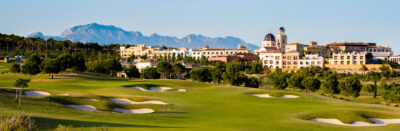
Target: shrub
point(17, 123)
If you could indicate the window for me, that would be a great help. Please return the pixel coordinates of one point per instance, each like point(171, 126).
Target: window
point(312, 63)
point(354, 57)
point(295, 63)
point(336, 63)
point(301, 63)
point(342, 62)
point(289, 63)
point(335, 57)
point(361, 57)
point(354, 62)
point(289, 57)
point(319, 62)
point(342, 57)
point(348, 62)
point(271, 62)
point(361, 62)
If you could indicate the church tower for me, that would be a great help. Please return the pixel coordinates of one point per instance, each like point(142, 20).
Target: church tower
point(269, 40)
point(281, 38)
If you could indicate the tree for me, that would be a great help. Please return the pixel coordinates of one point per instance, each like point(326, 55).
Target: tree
point(252, 82)
point(217, 72)
point(369, 88)
point(132, 72)
point(295, 81)
point(66, 61)
point(151, 73)
point(78, 62)
point(363, 68)
point(385, 70)
point(164, 68)
point(255, 68)
point(330, 85)
point(178, 69)
point(21, 83)
point(203, 60)
point(51, 66)
point(233, 74)
point(369, 57)
point(375, 76)
point(351, 86)
point(113, 66)
point(15, 68)
point(31, 65)
point(278, 79)
point(311, 84)
point(384, 85)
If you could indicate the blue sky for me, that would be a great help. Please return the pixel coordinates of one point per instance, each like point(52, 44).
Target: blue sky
point(323, 21)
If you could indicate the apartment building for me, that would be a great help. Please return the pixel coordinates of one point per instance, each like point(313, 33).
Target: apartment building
point(211, 52)
point(291, 60)
point(352, 58)
point(127, 51)
point(311, 60)
point(271, 59)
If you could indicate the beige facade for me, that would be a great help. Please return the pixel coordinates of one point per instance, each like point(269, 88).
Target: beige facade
point(348, 58)
point(126, 52)
point(211, 52)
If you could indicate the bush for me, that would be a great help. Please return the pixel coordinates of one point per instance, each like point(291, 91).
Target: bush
point(252, 82)
point(17, 123)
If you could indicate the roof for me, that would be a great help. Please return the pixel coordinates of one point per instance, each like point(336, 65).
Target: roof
point(295, 44)
point(293, 51)
point(348, 44)
point(269, 37)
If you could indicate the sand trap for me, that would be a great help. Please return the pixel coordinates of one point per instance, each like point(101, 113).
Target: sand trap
point(377, 122)
point(139, 88)
point(63, 94)
point(180, 90)
point(84, 108)
point(126, 101)
point(289, 96)
point(262, 95)
point(90, 99)
point(268, 96)
point(159, 88)
point(36, 93)
point(135, 111)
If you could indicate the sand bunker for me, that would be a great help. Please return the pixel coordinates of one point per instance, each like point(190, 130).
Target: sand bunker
point(126, 101)
point(36, 93)
point(139, 88)
point(377, 122)
point(289, 96)
point(63, 94)
point(159, 88)
point(180, 90)
point(268, 96)
point(90, 99)
point(135, 111)
point(84, 108)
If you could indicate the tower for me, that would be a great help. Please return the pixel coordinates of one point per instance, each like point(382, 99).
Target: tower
point(269, 40)
point(281, 38)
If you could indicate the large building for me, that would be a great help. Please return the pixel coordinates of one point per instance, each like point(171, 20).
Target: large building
point(353, 58)
point(127, 51)
point(311, 60)
point(211, 52)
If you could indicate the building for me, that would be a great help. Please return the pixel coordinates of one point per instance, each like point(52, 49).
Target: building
point(311, 60)
point(291, 60)
point(227, 58)
point(279, 42)
point(294, 47)
point(271, 59)
point(395, 59)
point(211, 52)
point(349, 46)
point(352, 58)
point(137, 50)
point(146, 63)
point(314, 48)
point(380, 52)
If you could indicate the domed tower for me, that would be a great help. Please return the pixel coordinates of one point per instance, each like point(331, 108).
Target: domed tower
point(281, 38)
point(269, 40)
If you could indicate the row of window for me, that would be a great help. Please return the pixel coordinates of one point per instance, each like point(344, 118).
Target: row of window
point(379, 50)
point(348, 57)
point(349, 63)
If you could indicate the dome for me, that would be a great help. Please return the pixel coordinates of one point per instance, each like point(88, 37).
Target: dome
point(269, 37)
point(281, 28)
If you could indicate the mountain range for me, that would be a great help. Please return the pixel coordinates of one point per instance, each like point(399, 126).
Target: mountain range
point(106, 34)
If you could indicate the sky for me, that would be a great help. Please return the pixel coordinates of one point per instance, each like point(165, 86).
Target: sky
point(324, 21)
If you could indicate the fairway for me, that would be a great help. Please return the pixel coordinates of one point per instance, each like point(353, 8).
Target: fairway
point(201, 107)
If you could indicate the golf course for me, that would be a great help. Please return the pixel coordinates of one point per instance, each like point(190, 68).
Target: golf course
point(184, 105)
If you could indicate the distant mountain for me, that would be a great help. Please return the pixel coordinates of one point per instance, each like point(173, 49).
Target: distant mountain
point(106, 34)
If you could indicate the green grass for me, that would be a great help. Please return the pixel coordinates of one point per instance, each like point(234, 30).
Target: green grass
point(202, 107)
